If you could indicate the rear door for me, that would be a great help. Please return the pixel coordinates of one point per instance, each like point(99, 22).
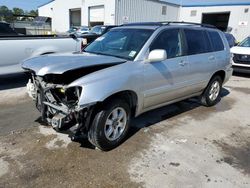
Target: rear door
point(165, 80)
point(221, 54)
point(202, 60)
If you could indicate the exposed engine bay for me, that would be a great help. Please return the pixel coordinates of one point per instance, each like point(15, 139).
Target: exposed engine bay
point(58, 105)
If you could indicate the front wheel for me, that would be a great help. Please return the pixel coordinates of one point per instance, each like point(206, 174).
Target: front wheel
point(212, 94)
point(110, 125)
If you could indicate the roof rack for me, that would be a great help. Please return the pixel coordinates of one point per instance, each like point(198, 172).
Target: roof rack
point(188, 23)
point(167, 23)
point(143, 24)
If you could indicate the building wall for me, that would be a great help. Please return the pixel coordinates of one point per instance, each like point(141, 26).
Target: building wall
point(58, 10)
point(237, 15)
point(109, 10)
point(115, 11)
point(124, 11)
point(144, 11)
point(46, 10)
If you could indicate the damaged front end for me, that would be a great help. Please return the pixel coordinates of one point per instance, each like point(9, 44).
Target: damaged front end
point(50, 87)
point(59, 106)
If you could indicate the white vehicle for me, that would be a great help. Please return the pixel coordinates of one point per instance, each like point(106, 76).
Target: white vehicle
point(15, 48)
point(241, 56)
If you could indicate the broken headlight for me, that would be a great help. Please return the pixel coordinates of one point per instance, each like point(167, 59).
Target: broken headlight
point(72, 94)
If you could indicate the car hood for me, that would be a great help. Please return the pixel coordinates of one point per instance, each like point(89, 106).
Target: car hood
point(240, 50)
point(61, 63)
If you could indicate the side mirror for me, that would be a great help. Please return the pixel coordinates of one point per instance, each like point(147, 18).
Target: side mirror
point(157, 55)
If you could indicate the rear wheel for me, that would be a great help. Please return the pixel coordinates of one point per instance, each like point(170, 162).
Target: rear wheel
point(212, 94)
point(110, 125)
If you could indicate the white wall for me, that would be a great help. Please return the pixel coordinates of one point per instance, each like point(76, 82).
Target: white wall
point(114, 11)
point(236, 15)
point(46, 10)
point(109, 10)
point(60, 13)
point(144, 11)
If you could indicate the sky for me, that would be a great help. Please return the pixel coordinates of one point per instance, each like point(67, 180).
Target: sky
point(24, 4)
point(207, 2)
point(33, 4)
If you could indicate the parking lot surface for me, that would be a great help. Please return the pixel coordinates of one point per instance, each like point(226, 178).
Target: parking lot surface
point(181, 145)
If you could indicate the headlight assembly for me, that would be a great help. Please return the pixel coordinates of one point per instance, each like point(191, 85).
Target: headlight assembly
point(73, 94)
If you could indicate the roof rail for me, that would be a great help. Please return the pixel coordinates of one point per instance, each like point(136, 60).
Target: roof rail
point(166, 23)
point(143, 23)
point(188, 23)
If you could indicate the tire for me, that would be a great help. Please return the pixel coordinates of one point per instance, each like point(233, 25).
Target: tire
point(212, 94)
point(106, 120)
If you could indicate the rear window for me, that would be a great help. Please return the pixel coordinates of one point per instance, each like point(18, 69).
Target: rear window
point(216, 41)
point(197, 42)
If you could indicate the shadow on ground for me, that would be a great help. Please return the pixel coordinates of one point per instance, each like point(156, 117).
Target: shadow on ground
point(155, 116)
point(167, 112)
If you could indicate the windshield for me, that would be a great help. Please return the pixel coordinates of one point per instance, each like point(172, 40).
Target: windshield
point(245, 43)
point(97, 30)
point(123, 43)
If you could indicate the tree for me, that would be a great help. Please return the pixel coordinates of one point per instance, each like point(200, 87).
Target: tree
point(4, 10)
point(33, 13)
point(17, 11)
point(6, 14)
point(10, 15)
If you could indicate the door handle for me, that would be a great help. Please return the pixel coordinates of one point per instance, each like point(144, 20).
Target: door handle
point(182, 63)
point(211, 58)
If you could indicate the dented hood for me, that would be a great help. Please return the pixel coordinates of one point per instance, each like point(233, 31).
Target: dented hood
point(61, 63)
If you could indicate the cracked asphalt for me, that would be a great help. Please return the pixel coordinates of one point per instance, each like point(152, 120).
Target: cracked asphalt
point(180, 145)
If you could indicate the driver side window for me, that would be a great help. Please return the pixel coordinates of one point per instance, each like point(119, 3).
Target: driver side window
point(169, 40)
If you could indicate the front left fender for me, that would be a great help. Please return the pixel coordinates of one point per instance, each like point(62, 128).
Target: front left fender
point(102, 84)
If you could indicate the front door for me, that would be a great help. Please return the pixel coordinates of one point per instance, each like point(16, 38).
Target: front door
point(165, 80)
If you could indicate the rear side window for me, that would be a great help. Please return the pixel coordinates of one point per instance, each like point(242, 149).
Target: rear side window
point(216, 41)
point(197, 42)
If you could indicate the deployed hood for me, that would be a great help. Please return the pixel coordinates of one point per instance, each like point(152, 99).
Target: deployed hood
point(240, 50)
point(61, 63)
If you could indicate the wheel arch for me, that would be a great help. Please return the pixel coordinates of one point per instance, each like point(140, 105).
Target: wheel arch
point(128, 95)
point(221, 74)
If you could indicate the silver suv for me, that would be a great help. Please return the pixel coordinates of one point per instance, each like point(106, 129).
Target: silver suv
point(126, 72)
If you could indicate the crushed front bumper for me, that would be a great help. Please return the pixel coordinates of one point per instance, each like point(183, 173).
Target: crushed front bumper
point(61, 116)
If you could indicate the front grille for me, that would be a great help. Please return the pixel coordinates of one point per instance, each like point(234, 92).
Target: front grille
point(241, 59)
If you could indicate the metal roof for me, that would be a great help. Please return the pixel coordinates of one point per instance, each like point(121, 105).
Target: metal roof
point(207, 3)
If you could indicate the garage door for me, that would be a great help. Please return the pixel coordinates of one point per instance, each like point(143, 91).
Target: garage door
point(96, 15)
point(75, 17)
